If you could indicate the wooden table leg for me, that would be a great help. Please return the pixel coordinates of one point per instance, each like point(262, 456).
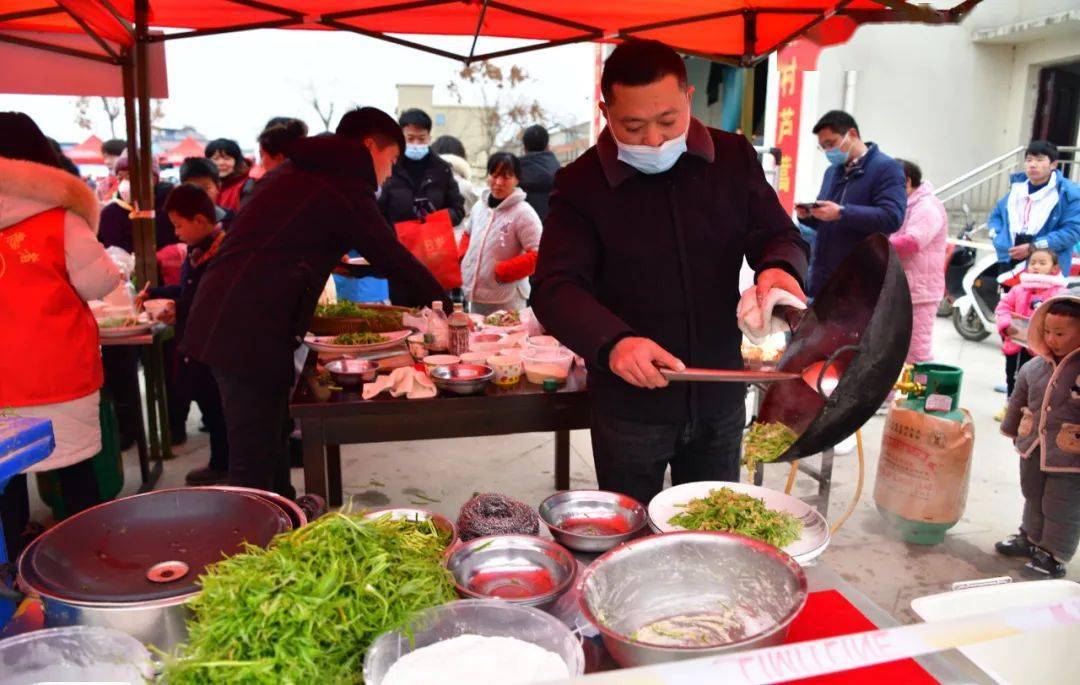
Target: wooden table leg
point(314, 451)
point(333, 475)
point(562, 460)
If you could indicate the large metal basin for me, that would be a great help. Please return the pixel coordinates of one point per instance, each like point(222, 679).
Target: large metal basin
point(755, 588)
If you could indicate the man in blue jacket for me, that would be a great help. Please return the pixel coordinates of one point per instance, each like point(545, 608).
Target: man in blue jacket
point(1041, 210)
point(862, 193)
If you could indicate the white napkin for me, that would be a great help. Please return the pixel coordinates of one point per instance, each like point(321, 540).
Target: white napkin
point(405, 380)
point(757, 321)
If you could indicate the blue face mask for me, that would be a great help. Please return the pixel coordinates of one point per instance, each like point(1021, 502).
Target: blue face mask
point(837, 155)
point(416, 152)
point(652, 160)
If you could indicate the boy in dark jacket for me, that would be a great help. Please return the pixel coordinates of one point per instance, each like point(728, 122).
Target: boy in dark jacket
point(863, 193)
point(257, 297)
point(1043, 420)
point(193, 216)
point(538, 167)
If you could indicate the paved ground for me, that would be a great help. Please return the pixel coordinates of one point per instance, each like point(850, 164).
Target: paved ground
point(442, 474)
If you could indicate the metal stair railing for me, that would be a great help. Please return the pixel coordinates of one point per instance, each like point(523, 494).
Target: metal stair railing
point(972, 196)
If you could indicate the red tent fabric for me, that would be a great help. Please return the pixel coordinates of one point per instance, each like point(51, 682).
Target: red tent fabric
point(86, 152)
point(188, 147)
point(734, 30)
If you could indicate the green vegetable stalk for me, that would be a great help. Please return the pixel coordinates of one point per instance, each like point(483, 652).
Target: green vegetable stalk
point(735, 512)
point(375, 320)
point(305, 609)
point(765, 442)
point(358, 339)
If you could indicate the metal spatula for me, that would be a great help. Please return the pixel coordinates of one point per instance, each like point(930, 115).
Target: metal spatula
point(827, 375)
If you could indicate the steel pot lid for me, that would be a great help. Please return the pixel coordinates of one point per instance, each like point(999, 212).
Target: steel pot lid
point(862, 321)
point(147, 547)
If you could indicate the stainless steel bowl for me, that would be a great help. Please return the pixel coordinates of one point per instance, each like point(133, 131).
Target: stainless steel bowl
point(520, 569)
point(751, 590)
point(462, 379)
point(351, 373)
point(592, 520)
point(409, 514)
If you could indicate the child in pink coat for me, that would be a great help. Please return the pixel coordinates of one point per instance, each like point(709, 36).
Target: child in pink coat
point(1039, 282)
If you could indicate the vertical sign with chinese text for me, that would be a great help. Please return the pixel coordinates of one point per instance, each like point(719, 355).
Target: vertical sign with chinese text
point(793, 60)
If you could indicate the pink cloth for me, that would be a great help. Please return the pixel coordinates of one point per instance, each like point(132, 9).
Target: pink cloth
point(922, 332)
point(920, 243)
point(1023, 300)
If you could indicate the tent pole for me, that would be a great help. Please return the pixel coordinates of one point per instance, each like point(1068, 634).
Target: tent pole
point(131, 123)
point(746, 120)
point(145, 260)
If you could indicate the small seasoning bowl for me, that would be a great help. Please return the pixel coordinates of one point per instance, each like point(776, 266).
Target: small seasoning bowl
point(462, 379)
point(434, 361)
point(475, 357)
point(417, 347)
point(487, 342)
point(352, 373)
point(592, 520)
point(520, 569)
point(534, 341)
point(442, 524)
point(507, 368)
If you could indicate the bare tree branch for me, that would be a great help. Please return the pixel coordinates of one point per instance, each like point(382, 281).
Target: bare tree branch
point(499, 94)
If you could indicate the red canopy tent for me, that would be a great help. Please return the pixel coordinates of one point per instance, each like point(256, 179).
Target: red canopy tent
point(743, 32)
point(86, 152)
point(732, 30)
point(188, 147)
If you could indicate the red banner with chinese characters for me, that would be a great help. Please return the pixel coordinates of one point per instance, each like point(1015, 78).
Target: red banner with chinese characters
point(793, 60)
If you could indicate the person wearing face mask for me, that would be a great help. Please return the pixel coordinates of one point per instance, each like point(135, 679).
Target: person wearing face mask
point(499, 244)
point(638, 271)
point(1041, 210)
point(257, 296)
point(421, 182)
point(863, 193)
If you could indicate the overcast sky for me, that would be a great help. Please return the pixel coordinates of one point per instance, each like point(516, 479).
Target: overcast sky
point(229, 85)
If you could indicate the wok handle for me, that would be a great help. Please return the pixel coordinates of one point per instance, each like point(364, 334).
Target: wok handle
point(790, 315)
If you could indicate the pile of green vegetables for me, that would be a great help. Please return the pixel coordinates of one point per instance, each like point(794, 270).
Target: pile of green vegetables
point(370, 317)
point(507, 318)
point(765, 442)
point(305, 609)
point(118, 322)
point(735, 512)
point(358, 339)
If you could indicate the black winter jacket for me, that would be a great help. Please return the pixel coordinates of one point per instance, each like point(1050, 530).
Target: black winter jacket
point(258, 294)
point(438, 185)
point(538, 178)
point(626, 253)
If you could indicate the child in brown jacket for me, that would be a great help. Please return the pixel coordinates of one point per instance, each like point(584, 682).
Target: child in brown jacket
point(1043, 419)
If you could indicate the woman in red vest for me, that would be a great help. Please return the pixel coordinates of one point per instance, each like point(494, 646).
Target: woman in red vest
point(50, 264)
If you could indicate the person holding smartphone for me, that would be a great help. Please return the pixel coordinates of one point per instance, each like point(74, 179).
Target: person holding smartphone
point(863, 193)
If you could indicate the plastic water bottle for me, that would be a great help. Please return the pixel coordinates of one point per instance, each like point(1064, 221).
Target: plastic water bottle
point(439, 327)
point(459, 330)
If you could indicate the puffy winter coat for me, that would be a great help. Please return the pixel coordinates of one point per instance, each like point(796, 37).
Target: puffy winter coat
point(496, 235)
point(1060, 229)
point(538, 179)
point(920, 242)
point(50, 363)
point(1022, 301)
point(871, 192)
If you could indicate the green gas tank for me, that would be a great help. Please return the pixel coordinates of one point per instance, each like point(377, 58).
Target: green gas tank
point(924, 469)
point(935, 389)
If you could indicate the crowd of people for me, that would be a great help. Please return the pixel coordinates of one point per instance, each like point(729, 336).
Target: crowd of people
point(246, 247)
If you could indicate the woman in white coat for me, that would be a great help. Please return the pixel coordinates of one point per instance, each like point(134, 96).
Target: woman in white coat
point(502, 235)
point(50, 360)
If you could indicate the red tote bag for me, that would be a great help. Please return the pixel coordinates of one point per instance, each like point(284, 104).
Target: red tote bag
point(431, 240)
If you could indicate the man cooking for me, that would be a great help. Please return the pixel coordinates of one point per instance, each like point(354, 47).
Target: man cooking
point(257, 297)
point(639, 269)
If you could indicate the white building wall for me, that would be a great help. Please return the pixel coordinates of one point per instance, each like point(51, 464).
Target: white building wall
point(933, 95)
